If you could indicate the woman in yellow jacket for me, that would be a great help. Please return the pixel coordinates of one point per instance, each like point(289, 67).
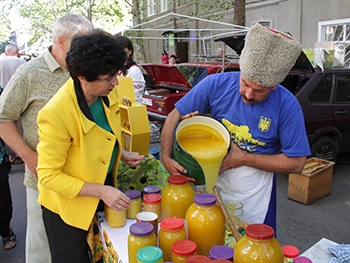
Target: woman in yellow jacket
point(79, 148)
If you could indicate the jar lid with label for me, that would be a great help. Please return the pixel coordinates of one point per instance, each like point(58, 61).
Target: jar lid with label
point(141, 229)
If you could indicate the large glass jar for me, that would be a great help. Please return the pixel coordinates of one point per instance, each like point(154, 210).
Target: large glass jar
point(177, 197)
point(258, 245)
point(171, 230)
point(205, 223)
point(141, 235)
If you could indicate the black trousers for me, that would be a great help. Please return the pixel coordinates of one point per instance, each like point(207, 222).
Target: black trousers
point(67, 244)
point(5, 207)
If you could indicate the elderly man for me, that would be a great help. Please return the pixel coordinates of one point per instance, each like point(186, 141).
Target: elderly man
point(264, 119)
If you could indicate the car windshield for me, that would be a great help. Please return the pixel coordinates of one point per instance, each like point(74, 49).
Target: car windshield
point(193, 74)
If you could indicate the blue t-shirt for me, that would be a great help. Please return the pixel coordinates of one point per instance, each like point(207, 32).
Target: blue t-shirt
point(272, 126)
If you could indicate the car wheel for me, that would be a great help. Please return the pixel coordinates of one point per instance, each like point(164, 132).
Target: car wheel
point(324, 148)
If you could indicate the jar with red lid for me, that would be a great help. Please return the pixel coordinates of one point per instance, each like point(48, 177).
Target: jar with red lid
point(171, 230)
point(136, 203)
point(221, 252)
point(198, 259)
point(177, 196)
point(205, 223)
point(153, 203)
point(290, 252)
point(182, 250)
point(258, 245)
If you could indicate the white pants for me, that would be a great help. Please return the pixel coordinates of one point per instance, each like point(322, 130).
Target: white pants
point(37, 246)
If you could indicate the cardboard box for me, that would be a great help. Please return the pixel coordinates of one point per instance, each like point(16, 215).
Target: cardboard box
point(313, 183)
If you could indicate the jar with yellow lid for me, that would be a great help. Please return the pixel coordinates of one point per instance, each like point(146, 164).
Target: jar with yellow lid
point(136, 203)
point(141, 235)
point(150, 254)
point(182, 250)
point(171, 230)
point(115, 218)
point(205, 223)
point(177, 196)
point(258, 245)
point(153, 203)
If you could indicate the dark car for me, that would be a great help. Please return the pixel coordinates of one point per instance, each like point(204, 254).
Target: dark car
point(324, 96)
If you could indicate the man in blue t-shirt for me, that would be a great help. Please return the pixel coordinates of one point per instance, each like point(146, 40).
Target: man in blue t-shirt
point(265, 122)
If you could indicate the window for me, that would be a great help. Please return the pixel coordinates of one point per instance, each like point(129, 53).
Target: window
point(164, 5)
point(343, 89)
point(322, 91)
point(151, 7)
point(205, 43)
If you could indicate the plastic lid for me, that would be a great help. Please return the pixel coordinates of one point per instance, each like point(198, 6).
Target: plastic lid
point(205, 199)
point(198, 259)
point(184, 247)
point(290, 251)
point(302, 259)
point(141, 229)
point(152, 198)
point(221, 252)
point(259, 231)
point(221, 261)
point(172, 223)
point(151, 189)
point(133, 194)
point(150, 254)
point(177, 179)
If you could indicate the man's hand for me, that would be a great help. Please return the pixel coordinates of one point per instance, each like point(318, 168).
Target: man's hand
point(235, 158)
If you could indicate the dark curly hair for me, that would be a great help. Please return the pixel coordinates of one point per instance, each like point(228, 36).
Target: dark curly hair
point(95, 54)
point(125, 42)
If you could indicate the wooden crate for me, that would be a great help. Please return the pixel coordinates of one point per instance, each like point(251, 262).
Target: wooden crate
point(313, 183)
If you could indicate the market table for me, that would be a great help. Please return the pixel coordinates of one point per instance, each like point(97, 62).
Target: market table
point(319, 253)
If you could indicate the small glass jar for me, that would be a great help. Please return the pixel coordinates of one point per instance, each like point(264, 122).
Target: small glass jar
point(290, 252)
point(141, 235)
point(115, 218)
point(302, 259)
point(171, 230)
point(151, 189)
point(153, 203)
point(150, 254)
point(221, 252)
point(198, 259)
point(182, 250)
point(136, 203)
point(205, 223)
point(258, 245)
point(177, 197)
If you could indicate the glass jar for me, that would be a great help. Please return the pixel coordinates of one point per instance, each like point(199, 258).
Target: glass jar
point(136, 203)
point(258, 245)
point(150, 254)
point(141, 235)
point(151, 189)
point(198, 259)
point(115, 218)
point(205, 223)
point(182, 250)
point(171, 230)
point(221, 252)
point(177, 197)
point(290, 252)
point(153, 203)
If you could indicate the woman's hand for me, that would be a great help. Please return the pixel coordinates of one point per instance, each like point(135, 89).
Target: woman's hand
point(131, 158)
point(115, 199)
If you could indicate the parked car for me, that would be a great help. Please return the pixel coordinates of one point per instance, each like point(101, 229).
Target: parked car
point(165, 85)
point(324, 96)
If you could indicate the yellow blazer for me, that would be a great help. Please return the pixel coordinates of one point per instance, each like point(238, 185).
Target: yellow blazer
point(74, 150)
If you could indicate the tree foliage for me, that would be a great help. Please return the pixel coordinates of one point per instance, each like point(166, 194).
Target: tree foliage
point(5, 24)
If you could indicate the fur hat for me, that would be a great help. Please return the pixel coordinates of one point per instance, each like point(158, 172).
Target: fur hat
point(268, 55)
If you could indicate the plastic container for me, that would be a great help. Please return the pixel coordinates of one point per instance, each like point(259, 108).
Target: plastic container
point(198, 259)
point(171, 230)
point(141, 235)
point(302, 259)
point(182, 250)
point(177, 197)
point(258, 245)
point(221, 252)
point(151, 189)
point(136, 203)
point(115, 218)
point(290, 252)
point(153, 203)
point(205, 223)
point(221, 261)
point(151, 254)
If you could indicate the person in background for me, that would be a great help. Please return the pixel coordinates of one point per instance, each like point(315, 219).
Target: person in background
point(165, 57)
point(172, 60)
point(79, 148)
point(131, 69)
point(265, 122)
point(26, 93)
point(220, 51)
